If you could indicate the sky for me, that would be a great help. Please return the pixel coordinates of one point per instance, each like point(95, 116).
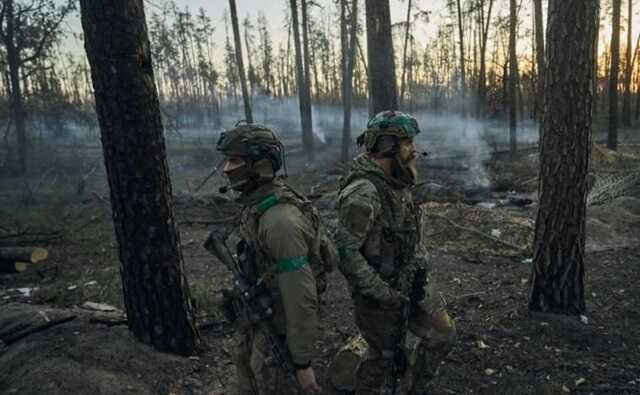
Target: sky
point(274, 12)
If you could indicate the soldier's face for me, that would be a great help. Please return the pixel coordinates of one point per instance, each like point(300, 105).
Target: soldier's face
point(236, 170)
point(407, 156)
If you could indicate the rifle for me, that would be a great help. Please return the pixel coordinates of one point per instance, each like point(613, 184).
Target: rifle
point(250, 305)
point(415, 293)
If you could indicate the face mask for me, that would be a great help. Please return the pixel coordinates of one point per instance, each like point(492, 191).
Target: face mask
point(239, 178)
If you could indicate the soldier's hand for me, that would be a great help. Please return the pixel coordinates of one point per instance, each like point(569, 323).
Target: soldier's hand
point(394, 301)
point(307, 379)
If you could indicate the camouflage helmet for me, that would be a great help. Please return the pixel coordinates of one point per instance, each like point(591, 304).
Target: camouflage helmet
point(388, 123)
point(252, 141)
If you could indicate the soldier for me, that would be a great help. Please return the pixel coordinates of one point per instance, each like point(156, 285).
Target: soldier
point(384, 259)
point(283, 246)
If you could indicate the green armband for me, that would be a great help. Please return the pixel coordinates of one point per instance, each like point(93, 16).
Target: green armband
point(291, 264)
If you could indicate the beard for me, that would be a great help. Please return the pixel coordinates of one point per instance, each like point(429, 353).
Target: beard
point(406, 170)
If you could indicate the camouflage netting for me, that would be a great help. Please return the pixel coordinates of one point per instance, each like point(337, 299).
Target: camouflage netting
point(472, 230)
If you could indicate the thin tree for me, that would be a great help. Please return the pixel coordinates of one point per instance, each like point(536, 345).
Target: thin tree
point(557, 280)
point(156, 293)
point(463, 79)
point(513, 78)
point(612, 137)
point(485, 23)
point(626, 100)
point(307, 132)
point(403, 82)
point(347, 81)
point(238, 47)
point(27, 33)
point(304, 96)
point(539, 41)
point(382, 71)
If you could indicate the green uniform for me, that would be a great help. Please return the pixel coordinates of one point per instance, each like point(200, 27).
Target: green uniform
point(280, 239)
point(379, 240)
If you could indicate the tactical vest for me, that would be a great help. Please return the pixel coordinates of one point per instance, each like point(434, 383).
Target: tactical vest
point(323, 256)
point(391, 244)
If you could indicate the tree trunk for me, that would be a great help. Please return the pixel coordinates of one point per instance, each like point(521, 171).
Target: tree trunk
point(513, 78)
point(612, 138)
point(156, 293)
point(382, 71)
point(403, 83)
point(307, 131)
point(238, 47)
point(557, 280)
point(301, 79)
point(348, 84)
point(595, 62)
point(482, 77)
point(463, 80)
point(539, 34)
point(626, 100)
point(17, 101)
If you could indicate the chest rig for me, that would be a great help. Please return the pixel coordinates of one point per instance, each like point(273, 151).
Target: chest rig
point(391, 245)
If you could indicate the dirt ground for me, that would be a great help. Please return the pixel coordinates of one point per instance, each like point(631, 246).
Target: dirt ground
point(480, 243)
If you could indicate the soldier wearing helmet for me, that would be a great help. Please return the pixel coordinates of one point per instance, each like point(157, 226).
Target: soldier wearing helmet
point(379, 239)
point(280, 246)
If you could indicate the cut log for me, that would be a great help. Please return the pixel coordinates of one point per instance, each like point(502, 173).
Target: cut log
point(23, 254)
point(12, 267)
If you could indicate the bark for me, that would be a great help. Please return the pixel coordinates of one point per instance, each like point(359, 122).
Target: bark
point(348, 83)
point(513, 78)
point(403, 83)
point(238, 47)
point(156, 293)
point(612, 138)
point(539, 41)
point(626, 100)
point(557, 280)
point(382, 73)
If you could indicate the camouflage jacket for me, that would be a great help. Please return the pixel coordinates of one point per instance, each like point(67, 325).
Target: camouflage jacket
point(379, 234)
point(279, 242)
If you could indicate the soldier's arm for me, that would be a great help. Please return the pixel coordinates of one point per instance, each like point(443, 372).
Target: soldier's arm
point(283, 232)
point(359, 206)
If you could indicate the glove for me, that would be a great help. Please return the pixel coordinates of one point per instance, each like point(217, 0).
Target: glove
point(394, 300)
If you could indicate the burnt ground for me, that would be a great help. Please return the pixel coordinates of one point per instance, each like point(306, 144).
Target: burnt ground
point(480, 242)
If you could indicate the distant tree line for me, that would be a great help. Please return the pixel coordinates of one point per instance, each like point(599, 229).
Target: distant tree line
point(471, 66)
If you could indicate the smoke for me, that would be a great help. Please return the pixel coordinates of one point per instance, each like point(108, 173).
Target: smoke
point(451, 140)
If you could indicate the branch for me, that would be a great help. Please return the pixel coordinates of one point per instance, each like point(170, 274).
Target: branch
point(45, 38)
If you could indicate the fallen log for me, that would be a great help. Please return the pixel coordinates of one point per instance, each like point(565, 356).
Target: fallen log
point(23, 254)
point(12, 267)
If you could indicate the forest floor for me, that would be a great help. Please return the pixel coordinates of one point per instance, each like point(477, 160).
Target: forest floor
point(479, 227)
